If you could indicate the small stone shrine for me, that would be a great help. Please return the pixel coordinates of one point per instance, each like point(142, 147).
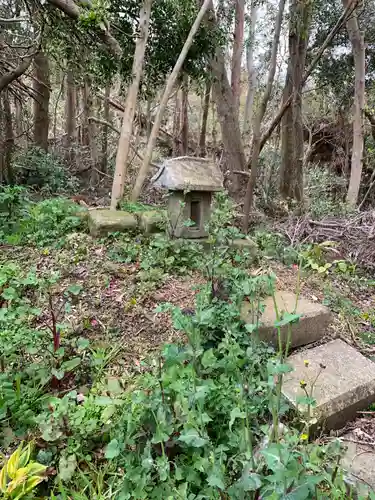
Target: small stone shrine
point(190, 182)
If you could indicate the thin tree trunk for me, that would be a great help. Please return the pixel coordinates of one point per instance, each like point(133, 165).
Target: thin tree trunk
point(90, 129)
point(164, 101)
point(176, 125)
point(130, 106)
point(148, 117)
point(41, 87)
point(291, 173)
point(85, 133)
point(237, 52)
point(18, 120)
point(8, 139)
point(255, 149)
point(185, 116)
point(251, 72)
point(70, 108)
point(214, 132)
point(106, 117)
point(358, 48)
point(203, 132)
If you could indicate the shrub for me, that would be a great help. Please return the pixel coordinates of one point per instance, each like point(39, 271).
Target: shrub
point(39, 169)
point(325, 192)
point(44, 222)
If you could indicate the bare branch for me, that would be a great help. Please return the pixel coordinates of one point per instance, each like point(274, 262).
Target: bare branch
point(9, 77)
point(12, 20)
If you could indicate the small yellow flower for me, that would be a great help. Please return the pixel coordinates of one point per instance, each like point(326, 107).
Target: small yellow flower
point(304, 437)
point(302, 383)
point(45, 251)
point(306, 362)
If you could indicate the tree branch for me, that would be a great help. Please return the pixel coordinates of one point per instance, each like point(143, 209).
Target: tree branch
point(9, 77)
point(71, 9)
point(12, 20)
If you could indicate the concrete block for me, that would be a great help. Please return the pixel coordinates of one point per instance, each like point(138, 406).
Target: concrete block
point(359, 462)
point(341, 379)
point(311, 327)
point(103, 221)
point(151, 221)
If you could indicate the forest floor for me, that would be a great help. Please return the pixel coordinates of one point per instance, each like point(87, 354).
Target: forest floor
point(116, 302)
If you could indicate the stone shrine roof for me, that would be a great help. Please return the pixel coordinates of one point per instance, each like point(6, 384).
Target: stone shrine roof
point(189, 173)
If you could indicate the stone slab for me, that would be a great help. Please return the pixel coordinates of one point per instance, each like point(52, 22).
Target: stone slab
point(343, 382)
point(359, 462)
point(189, 173)
point(311, 327)
point(151, 221)
point(103, 221)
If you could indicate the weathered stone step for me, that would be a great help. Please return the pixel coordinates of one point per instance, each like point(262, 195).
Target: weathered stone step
point(105, 221)
point(343, 382)
point(311, 327)
point(359, 462)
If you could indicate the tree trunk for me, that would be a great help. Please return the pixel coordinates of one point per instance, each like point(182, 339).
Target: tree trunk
point(237, 52)
point(185, 116)
point(358, 48)
point(291, 173)
point(148, 117)
point(41, 86)
point(70, 108)
point(176, 124)
point(90, 127)
point(106, 117)
point(85, 132)
point(251, 72)
point(255, 149)
point(164, 101)
point(222, 95)
point(18, 120)
point(230, 129)
point(8, 142)
point(203, 132)
point(130, 106)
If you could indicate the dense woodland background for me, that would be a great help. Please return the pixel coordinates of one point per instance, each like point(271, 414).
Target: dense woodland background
point(283, 90)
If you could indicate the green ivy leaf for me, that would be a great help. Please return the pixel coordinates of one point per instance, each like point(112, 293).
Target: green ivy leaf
point(9, 293)
point(215, 479)
point(191, 438)
point(69, 365)
point(67, 466)
point(287, 319)
point(112, 450)
point(74, 289)
point(234, 414)
point(305, 400)
point(208, 359)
